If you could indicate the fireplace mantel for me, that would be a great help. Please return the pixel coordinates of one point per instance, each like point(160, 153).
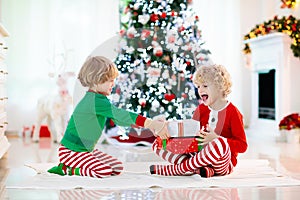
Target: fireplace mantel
point(269, 52)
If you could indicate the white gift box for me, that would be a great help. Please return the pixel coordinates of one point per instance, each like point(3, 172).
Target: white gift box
point(181, 128)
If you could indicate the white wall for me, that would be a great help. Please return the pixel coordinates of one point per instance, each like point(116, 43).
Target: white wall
point(220, 25)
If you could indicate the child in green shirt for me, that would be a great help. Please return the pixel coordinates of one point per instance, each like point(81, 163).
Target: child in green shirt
point(77, 153)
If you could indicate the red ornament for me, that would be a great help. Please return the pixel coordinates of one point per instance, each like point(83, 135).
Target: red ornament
point(173, 13)
point(158, 51)
point(148, 63)
point(257, 31)
point(154, 17)
point(294, 27)
point(163, 15)
point(201, 58)
point(171, 39)
point(122, 32)
point(145, 33)
point(169, 97)
point(126, 10)
point(181, 28)
point(184, 95)
point(142, 102)
point(111, 123)
point(131, 32)
point(118, 90)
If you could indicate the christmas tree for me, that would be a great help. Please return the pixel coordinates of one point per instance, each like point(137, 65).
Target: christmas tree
point(160, 47)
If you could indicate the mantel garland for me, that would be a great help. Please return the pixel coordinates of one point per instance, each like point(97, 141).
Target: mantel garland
point(289, 25)
point(291, 4)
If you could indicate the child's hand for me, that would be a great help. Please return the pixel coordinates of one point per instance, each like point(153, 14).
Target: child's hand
point(207, 135)
point(159, 127)
point(163, 133)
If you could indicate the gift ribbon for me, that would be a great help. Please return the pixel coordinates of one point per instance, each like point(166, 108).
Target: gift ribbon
point(200, 147)
point(180, 129)
point(164, 144)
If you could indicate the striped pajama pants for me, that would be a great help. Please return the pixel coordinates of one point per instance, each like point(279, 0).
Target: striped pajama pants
point(214, 158)
point(95, 164)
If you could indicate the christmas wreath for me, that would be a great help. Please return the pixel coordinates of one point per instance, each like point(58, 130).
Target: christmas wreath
point(289, 25)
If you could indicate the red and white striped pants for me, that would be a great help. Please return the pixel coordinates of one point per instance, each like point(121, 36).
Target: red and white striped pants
point(94, 164)
point(215, 158)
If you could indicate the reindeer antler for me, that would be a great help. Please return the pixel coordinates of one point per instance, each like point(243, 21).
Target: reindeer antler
point(60, 61)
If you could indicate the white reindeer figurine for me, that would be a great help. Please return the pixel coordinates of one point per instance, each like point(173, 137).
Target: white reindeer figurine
point(55, 109)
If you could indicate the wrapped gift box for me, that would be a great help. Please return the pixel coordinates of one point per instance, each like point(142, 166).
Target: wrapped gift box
point(180, 145)
point(180, 128)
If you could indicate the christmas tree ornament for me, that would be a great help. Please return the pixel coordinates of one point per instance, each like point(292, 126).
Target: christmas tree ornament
point(143, 19)
point(158, 51)
point(145, 34)
point(131, 32)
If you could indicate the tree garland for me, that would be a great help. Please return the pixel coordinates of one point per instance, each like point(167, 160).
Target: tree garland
point(289, 25)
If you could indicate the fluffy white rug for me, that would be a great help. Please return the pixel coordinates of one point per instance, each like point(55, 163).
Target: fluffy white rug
point(136, 175)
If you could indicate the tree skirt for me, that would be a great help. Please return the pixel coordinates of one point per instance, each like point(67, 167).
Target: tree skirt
point(129, 137)
point(136, 175)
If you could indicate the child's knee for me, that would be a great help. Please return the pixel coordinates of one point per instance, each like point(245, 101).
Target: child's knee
point(221, 144)
point(219, 140)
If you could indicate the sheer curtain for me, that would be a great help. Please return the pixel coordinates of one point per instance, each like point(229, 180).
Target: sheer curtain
point(40, 32)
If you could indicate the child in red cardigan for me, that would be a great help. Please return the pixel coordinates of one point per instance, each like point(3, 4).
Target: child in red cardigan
point(222, 130)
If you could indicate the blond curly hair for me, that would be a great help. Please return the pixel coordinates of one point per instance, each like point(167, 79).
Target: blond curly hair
point(216, 74)
point(97, 70)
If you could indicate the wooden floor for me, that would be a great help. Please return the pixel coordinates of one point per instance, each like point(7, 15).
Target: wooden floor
point(283, 157)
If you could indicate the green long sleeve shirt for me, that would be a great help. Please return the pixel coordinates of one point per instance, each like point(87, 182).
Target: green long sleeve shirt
point(88, 120)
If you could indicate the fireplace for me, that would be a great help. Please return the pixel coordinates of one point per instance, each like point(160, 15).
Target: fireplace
point(266, 95)
point(275, 76)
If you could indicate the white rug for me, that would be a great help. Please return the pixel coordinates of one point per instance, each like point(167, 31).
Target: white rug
point(248, 173)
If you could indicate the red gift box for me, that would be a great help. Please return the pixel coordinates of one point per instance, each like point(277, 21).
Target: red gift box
point(180, 145)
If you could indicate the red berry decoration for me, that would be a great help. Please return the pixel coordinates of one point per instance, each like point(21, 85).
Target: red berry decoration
point(169, 97)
